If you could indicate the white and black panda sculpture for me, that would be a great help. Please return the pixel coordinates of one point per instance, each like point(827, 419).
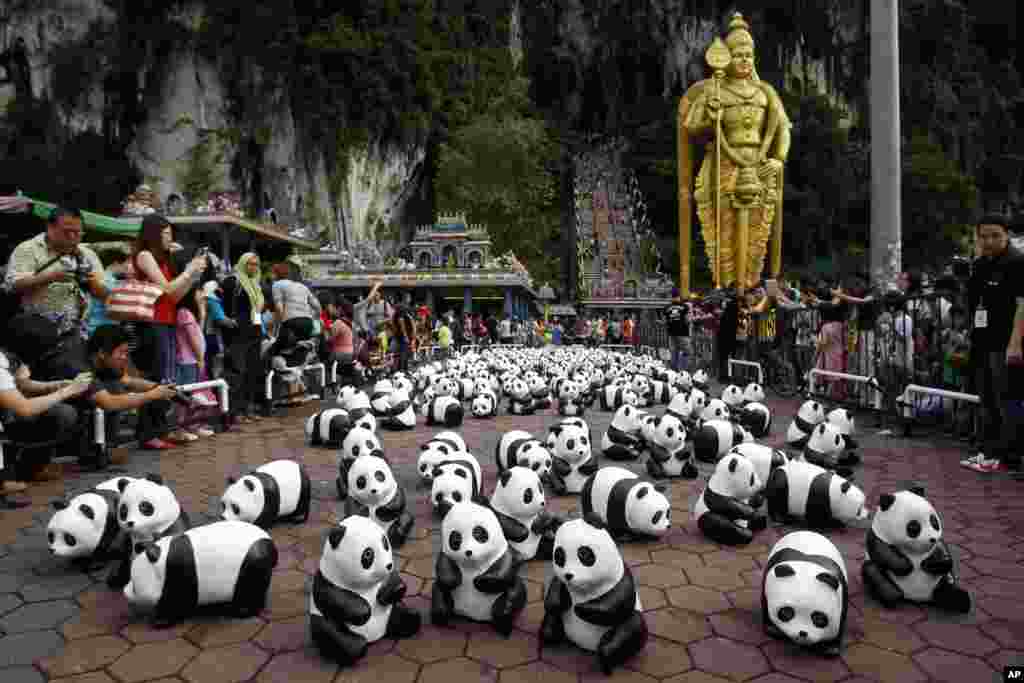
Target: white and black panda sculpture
point(669, 455)
point(571, 402)
point(520, 448)
point(518, 501)
point(810, 414)
point(357, 593)
point(223, 563)
point(357, 403)
point(85, 528)
point(723, 511)
point(484, 405)
point(147, 510)
point(572, 458)
point(458, 480)
point(622, 440)
point(907, 559)
point(380, 399)
point(800, 490)
point(614, 396)
point(700, 380)
point(520, 400)
point(401, 414)
point(445, 411)
point(443, 446)
point(756, 417)
point(625, 504)
point(592, 599)
point(373, 492)
point(843, 421)
point(714, 438)
point(279, 490)
point(824, 447)
point(366, 421)
point(358, 441)
point(804, 593)
point(328, 427)
point(476, 574)
point(765, 459)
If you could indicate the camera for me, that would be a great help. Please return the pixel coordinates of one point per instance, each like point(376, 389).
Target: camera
point(79, 268)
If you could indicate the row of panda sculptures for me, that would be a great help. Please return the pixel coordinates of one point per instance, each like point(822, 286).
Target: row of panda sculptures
point(170, 568)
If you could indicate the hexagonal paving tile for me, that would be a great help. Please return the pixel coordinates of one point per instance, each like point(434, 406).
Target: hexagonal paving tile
point(716, 578)
point(458, 670)
point(154, 660)
point(677, 625)
point(224, 631)
point(284, 636)
point(696, 677)
point(617, 676)
point(1007, 633)
point(500, 652)
point(54, 587)
point(728, 658)
point(433, 644)
point(698, 599)
point(81, 656)
point(968, 640)
point(534, 672)
point(9, 602)
point(231, 664)
point(37, 616)
point(802, 663)
point(881, 664)
point(659, 576)
point(144, 632)
point(677, 558)
point(22, 674)
point(740, 625)
point(21, 649)
point(660, 658)
point(950, 666)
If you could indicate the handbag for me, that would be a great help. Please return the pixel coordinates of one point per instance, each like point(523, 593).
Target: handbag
point(133, 301)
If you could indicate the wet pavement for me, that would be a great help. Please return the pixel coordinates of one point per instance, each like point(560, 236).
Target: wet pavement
point(702, 601)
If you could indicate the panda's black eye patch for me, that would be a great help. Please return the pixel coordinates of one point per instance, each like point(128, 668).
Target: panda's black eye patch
point(50, 537)
point(70, 540)
point(439, 498)
point(385, 543)
point(670, 432)
point(535, 466)
point(480, 534)
point(819, 619)
point(583, 440)
point(751, 479)
point(786, 613)
point(379, 476)
point(367, 559)
point(913, 528)
point(235, 508)
point(361, 481)
point(369, 444)
point(461, 473)
point(455, 540)
point(559, 556)
point(570, 444)
point(423, 467)
point(457, 496)
point(641, 493)
point(355, 450)
point(657, 517)
point(528, 496)
point(123, 512)
point(586, 555)
point(934, 521)
point(146, 508)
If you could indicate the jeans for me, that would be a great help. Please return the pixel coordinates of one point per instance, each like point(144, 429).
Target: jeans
point(1002, 419)
point(404, 353)
point(156, 359)
point(58, 420)
point(681, 351)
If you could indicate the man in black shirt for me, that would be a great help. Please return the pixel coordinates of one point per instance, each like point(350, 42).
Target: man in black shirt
point(404, 331)
point(996, 301)
point(677, 324)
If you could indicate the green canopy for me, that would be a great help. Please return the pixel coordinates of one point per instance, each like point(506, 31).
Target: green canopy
point(123, 227)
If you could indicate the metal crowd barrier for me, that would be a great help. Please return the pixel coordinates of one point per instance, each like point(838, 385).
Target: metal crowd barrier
point(759, 371)
point(302, 370)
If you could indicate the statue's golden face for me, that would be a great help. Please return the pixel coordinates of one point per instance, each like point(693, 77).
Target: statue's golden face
point(742, 65)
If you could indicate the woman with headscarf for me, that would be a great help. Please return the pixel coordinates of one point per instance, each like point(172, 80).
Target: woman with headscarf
point(243, 367)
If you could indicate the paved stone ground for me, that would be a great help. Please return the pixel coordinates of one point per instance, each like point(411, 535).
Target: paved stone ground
point(702, 600)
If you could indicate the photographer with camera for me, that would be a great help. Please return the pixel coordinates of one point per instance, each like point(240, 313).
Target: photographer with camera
point(53, 272)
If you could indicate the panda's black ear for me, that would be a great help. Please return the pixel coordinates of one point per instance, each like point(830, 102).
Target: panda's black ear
point(504, 478)
point(59, 504)
point(821, 428)
point(87, 511)
point(594, 521)
point(152, 552)
point(828, 580)
point(845, 487)
point(436, 472)
point(335, 536)
point(122, 484)
point(660, 488)
point(784, 571)
point(155, 478)
point(424, 447)
point(249, 486)
point(885, 501)
point(555, 429)
point(443, 449)
point(232, 480)
point(917, 489)
point(732, 464)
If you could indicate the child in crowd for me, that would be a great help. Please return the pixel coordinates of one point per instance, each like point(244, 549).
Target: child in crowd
point(191, 351)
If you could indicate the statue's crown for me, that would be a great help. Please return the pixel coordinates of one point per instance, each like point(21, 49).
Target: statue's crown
point(739, 32)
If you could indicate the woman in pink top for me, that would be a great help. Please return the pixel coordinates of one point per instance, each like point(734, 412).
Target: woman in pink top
point(340, 341)
point(191, 352)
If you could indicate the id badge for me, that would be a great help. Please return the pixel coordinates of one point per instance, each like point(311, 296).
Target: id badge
point(980, 319)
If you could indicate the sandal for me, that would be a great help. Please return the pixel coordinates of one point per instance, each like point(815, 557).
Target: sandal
point(205, 432)
point(181, 437)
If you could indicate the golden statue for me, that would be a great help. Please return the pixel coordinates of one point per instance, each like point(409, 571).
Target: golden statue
point(738, 190)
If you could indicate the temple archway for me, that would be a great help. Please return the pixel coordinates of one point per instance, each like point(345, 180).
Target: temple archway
point(423, 261)
point(475, 259)
point(450, 255)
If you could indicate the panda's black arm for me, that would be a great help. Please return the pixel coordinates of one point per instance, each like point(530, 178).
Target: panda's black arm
point(544, 521)
point(889, 557)
point(354, 507)
point(338, 604)
point(500, 575)
point(392, 591)
point(557, 599)
point(394, 508)
point(939, 562)
point(513, 529)
point(658, 453)
point(560, 466)
point(447, 573)
point(589, 467)
point(729, 508)
point(614, 607)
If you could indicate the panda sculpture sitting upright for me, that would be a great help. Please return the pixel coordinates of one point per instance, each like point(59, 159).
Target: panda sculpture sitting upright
point(723, 511)
point(843, 421)
point(357, 442)
point(669, 454)
point(520, 400)
point(765, 459)
point(539, 392)
point(380, 403)
point(443, 446)
point(804, 593)
point(357, 593)
point(906, 556)
point(374, 493)
point(614, 396)
point(622, 440)
point(572, 460)
point(147, 511)
point(518, 501)
point(281, 489)
point(592, 599)
point(810, 414)
point(570, 399)
point(476, 572)
point(625, 504)
point(458, 480)
point(824, 447)
point(223, 563)
point(520, 448)
point(484, 405)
